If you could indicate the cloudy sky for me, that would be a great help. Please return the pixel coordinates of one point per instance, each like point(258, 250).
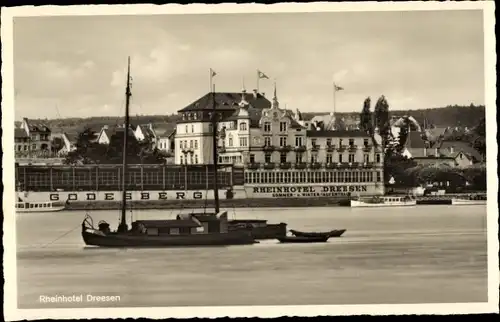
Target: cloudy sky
point(74, 66)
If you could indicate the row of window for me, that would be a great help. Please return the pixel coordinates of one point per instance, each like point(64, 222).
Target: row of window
point(299, 158)
point(268, 127)
point(193, 144)
point(110, 179)
point(338, 176)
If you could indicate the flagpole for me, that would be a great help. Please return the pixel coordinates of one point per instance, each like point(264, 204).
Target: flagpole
point(334, 97)
point(258, 77)
point(211, 76)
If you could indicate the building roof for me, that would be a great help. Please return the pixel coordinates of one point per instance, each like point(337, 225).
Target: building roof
point(147, 130)
point(416, 145)
point(226, 100)
point(446, 148)
point(36, 126)
point(20, 133)
point(337, 134)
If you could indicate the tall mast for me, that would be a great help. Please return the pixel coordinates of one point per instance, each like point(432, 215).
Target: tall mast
point(123, 222)
point(215, 144)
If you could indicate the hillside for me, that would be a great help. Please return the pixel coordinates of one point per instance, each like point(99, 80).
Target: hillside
point(442, 116)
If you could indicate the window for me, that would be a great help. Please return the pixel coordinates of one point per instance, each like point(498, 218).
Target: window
point(314, 158)
point(283, 157)
point(252, 158)
point(192, 128)
point(243, 126)
point(230, 140)
point(340, 142)
point(329, 158)
point(283, 141)
point(282, 126)
point(351, 158)
point(182, 159)
point(267, 158)
point(243, 141)
point(461, 156)
point(366, 158)
point(196, 158)
point(340, 158)
point(267, 141)
point(379, 177)
point(191, 144)
point(351, 142)
point(191, 159)
point(298, 157)
point(186, 129)
point(378, 157)
point(210, 128)
point(365, 142)
point(328, 142)
point(313, 142)
point(267, 126)
point(298, 141)
point(196, 144)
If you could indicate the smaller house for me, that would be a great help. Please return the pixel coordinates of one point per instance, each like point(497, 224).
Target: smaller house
point(69, 143)
point(21, 141)
point(106, 133)
point(415, 146)
point(460, 151)
point(39, 136)
point(146, 132)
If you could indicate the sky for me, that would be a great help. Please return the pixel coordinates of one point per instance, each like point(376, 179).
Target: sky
point(75, 66)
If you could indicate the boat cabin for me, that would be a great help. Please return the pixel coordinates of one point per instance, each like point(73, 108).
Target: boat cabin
point(185, 224)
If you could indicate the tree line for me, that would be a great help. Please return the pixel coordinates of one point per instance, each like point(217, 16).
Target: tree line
point(407, 172)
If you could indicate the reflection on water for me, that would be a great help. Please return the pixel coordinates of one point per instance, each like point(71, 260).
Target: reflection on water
point(399, 255)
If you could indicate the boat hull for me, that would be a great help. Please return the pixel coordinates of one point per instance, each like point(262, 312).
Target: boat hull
point(330, 234)
point(94, 237)
point(361, 204)
point(465, 202)
point(269, 231)
point(301, 240)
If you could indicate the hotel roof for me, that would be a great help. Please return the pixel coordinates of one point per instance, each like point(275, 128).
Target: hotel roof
point(226, 100)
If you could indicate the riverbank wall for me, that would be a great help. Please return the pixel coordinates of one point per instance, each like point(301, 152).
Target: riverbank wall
point(240, 203)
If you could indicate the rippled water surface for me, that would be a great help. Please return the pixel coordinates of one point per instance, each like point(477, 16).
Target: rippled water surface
point(387, 256)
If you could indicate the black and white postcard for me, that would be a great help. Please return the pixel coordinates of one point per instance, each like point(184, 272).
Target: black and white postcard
point(249, 160)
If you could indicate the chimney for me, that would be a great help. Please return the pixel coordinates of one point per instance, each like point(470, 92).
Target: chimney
point(105, 127)
point(436, 151)
point(451, 149)
point(425, 151)
point(255, 94)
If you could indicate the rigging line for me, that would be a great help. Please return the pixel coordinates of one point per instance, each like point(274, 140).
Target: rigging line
point(66, 233)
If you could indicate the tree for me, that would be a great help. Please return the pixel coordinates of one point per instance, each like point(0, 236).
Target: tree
point(382, 119)
point(57, 144)
point(395, 166)
point(365, 117)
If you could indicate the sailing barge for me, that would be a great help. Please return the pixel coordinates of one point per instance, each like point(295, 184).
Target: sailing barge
point(207, 229)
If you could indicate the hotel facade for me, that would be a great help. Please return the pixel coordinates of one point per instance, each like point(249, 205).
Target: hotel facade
point(282, 155)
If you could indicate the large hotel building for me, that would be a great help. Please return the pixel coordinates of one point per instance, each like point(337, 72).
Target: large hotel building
point(278, 149)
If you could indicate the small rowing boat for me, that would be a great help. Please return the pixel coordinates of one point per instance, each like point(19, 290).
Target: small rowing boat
point(296, 239)
point(333, 233)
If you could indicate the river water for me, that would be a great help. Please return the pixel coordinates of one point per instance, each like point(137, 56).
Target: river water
point(423, 254)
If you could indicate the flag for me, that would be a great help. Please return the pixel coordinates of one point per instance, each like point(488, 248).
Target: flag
point(212, 73)
point(338, 88)
point(262, 75)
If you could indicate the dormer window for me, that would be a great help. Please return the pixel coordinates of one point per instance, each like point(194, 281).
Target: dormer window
point(243, 126)
point(351, 142)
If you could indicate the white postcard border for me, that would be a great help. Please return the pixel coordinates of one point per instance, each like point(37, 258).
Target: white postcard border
point(9, 239)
